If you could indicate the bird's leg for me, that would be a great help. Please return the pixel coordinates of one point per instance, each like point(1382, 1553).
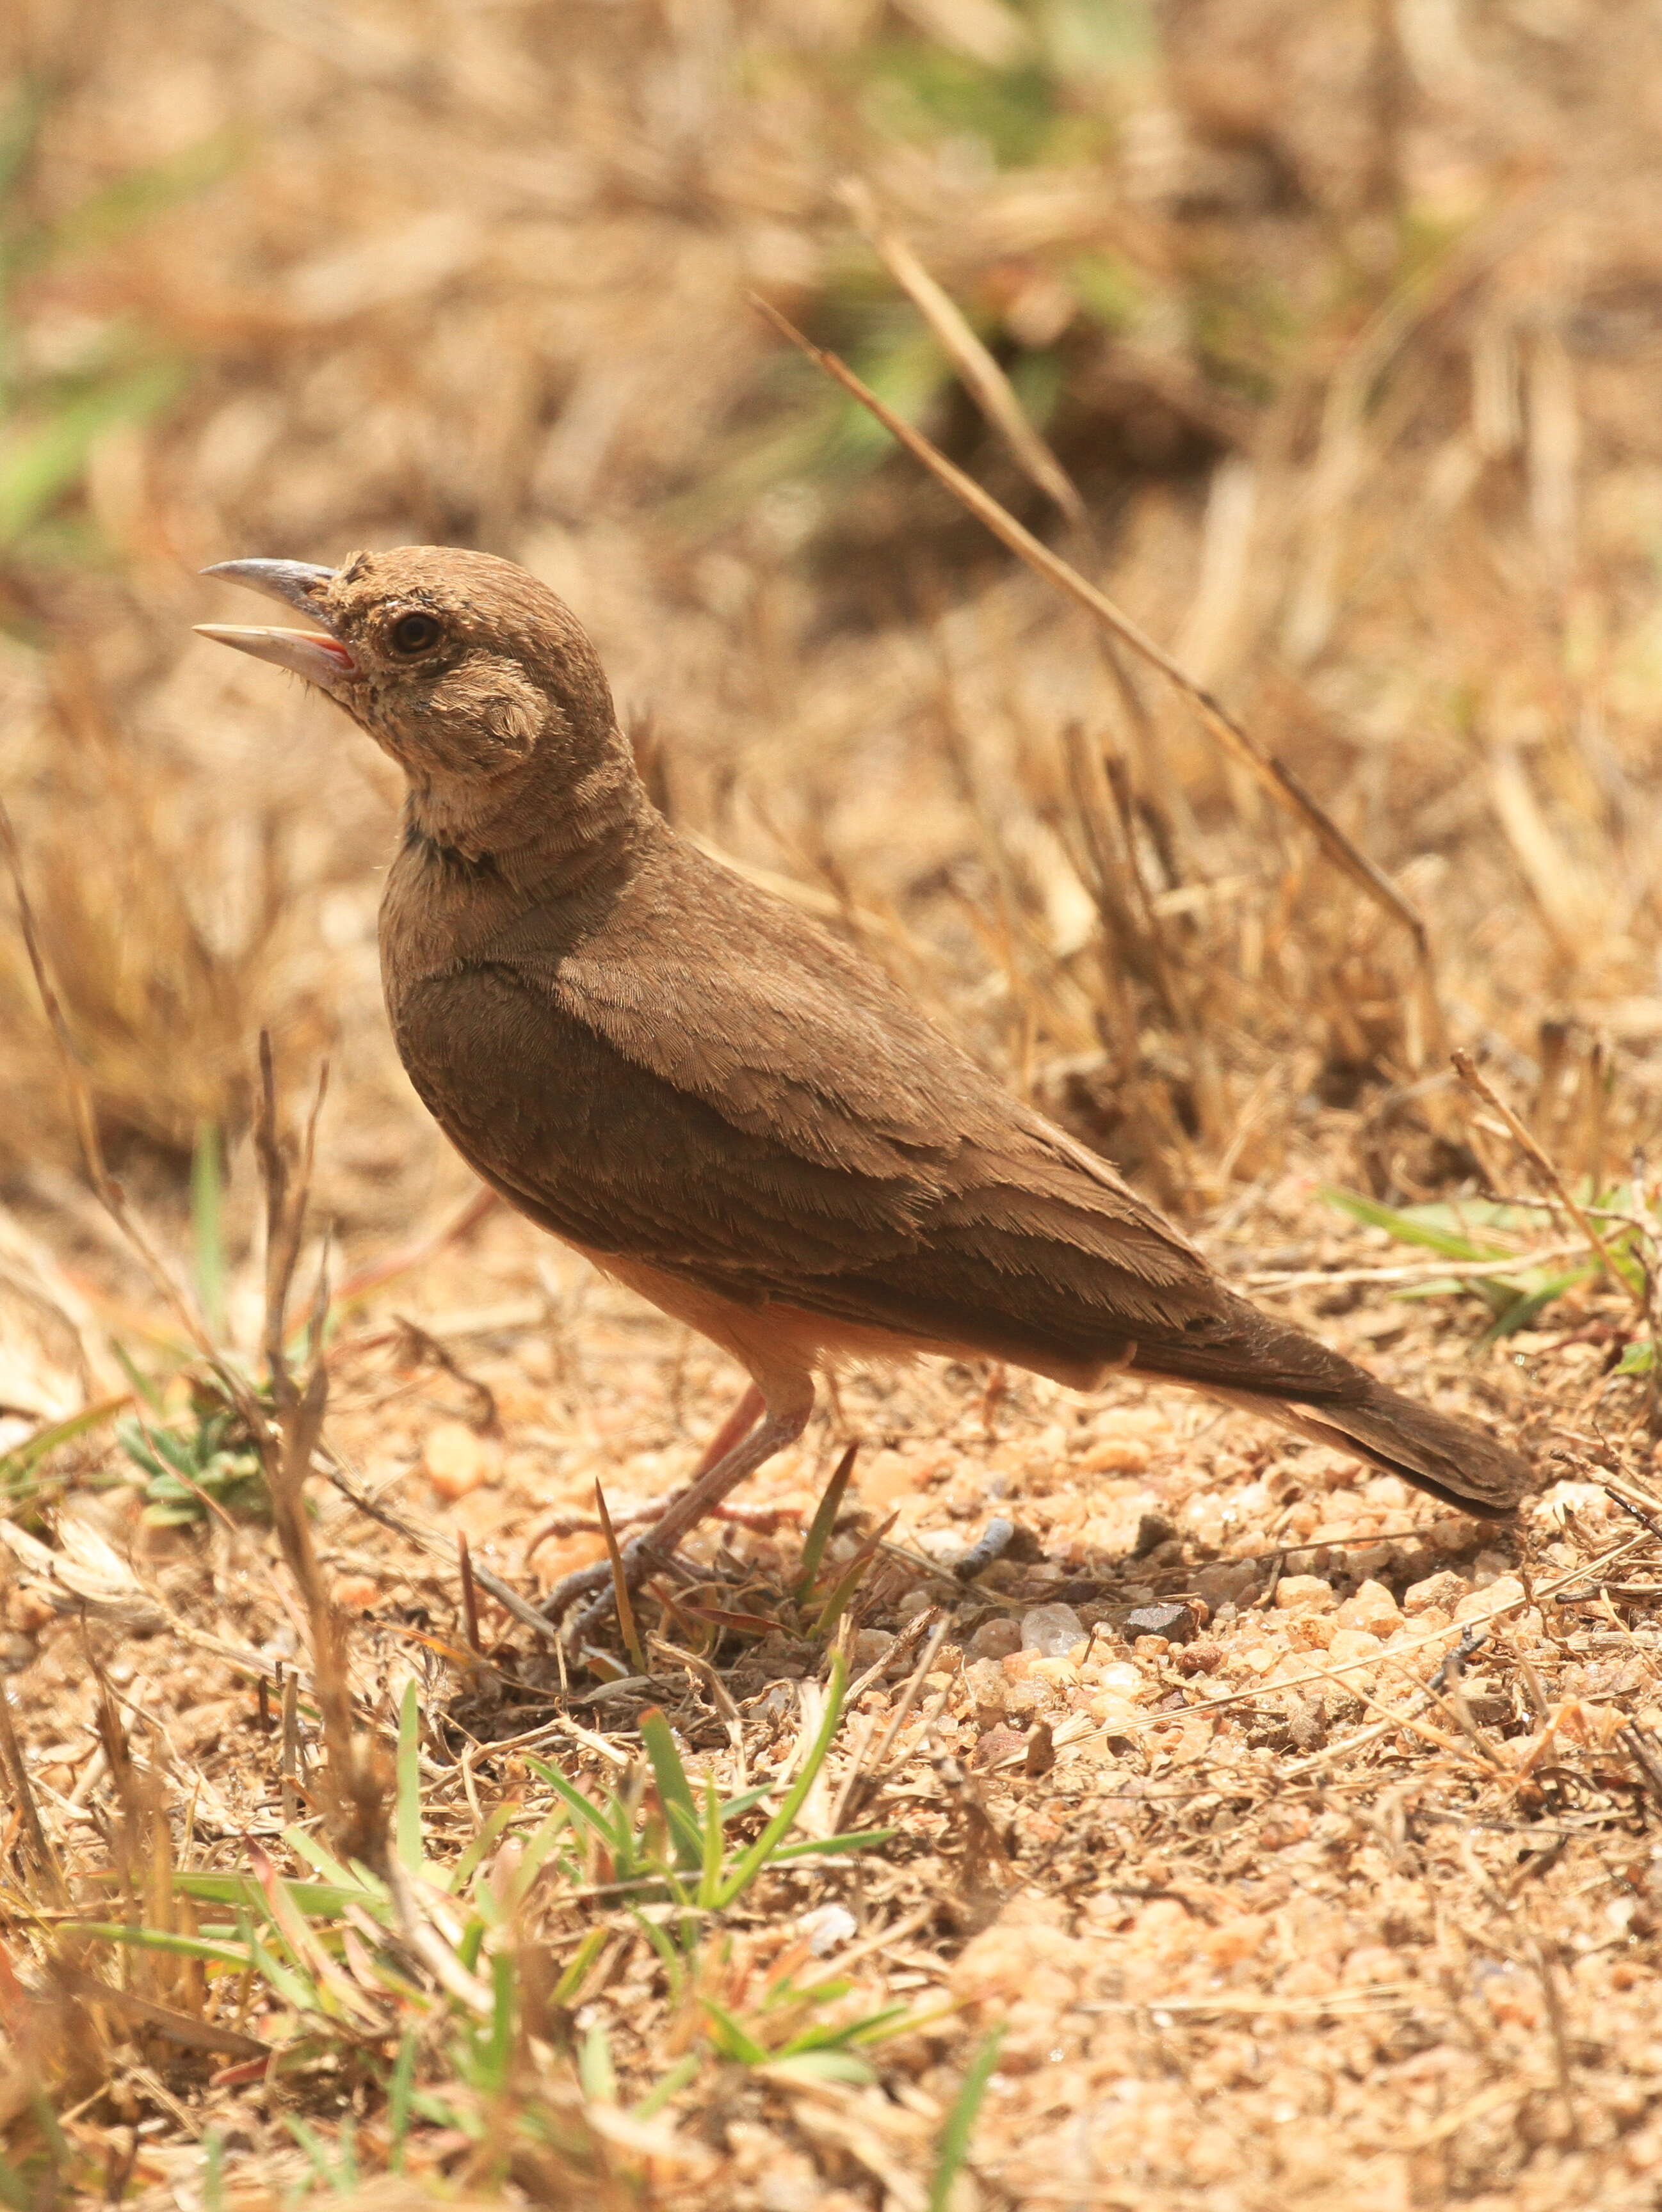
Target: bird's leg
point(786, 1417)
point(737, 1426)
point(738, 1422)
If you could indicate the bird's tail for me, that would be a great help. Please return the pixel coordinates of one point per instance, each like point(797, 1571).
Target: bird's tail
point(1454, 1460)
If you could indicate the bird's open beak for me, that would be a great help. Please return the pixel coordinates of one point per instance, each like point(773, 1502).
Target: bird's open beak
point(319, 654)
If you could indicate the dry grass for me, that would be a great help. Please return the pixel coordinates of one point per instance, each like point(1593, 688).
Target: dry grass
point(1343, 321)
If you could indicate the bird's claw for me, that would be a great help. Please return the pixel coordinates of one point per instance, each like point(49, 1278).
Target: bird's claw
point(570, 1588)
point(639, 1560)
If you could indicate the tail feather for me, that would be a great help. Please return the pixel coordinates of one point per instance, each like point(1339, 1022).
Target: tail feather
point(1454, 1460)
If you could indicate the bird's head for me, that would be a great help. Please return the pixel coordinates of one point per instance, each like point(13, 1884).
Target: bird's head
point(462, 667)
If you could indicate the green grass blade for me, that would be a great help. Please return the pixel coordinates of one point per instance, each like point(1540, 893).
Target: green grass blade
point(634, 1846)
point(595, 2070)
point(470, 1941)
point(895, 2020)
point(1409, 1225)
point(839, 2038)
point(823, 2066)
point(1524, 1309)
point(679, 2076)
point(213, 2170)
point(850, 1579)
point(456, 1878)
point(746, 1801)
point(355, 1881)
point(856, 1839)
point(824, 1520)
point(216, 1951)
point(311, 2143)
point(714, 1842)
point(959, 2125)
point(21, 1457)
point(407, 1824)
point(397, 2099)
point(208, 1227)
point(315, 1899)
point(40, 461)
point(111, 211)
point(752, 1861)
point(498, 2053)
point(673, 1964)
point(439, 2112)
point(346, 2154)
point(586, 1815)
point(571, 1981)
point(674, 1789)
point(142, 1387)
point(535, 1856)
point(733, 2040)
point(297, 1990)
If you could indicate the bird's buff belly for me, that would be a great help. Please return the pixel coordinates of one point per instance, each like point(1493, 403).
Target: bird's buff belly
point(777, 1339)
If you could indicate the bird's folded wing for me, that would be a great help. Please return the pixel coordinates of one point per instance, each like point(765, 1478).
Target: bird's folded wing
point(792, 1129)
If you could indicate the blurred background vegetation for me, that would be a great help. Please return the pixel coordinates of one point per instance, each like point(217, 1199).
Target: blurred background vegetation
point(1344, 320)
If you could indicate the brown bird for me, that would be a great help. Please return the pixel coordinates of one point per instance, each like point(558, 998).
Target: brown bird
point(716, 1102)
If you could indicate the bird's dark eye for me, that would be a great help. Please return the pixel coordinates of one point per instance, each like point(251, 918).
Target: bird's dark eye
point(414, 632)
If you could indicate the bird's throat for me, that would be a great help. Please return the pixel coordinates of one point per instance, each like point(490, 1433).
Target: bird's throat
point(537, 828)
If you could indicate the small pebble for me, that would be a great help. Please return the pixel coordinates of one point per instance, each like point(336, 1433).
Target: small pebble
point(998, 1744)
point(459, 1459)
point(1441, 1591)
point(1023, 1698)
point(1174, 1622)
point(1505, 1589)
point(1295, 1590)
point(1052, 1630)
point(1306, 1724)
point(1153, 1530)
point(28, 1610)
point(1488, 1706)
point(870, 1647)
point(1226, 1581)
point(996, 1639)
point(945, 1547)
point(827, 1926)
point(1372, 1607)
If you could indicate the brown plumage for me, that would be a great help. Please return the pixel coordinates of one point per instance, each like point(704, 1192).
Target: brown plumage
point(721, 1104)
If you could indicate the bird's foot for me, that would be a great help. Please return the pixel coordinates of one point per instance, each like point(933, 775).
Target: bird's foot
point(639, 1560)
point(581, 1583)
point(656, 1545)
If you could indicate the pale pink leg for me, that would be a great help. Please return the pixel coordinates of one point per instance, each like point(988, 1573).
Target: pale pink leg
point(738, 1424)
point(788, 1407)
